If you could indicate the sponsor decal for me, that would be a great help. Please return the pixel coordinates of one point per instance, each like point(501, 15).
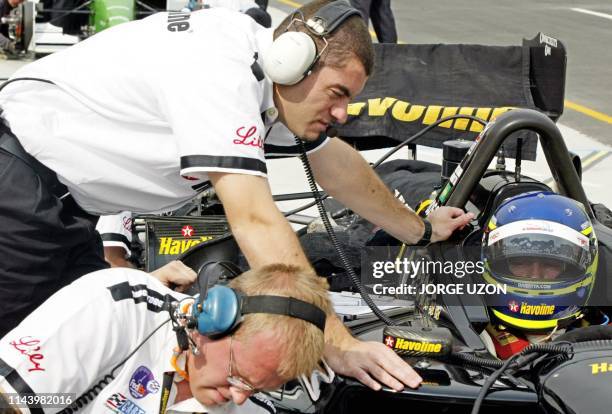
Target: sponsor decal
point(534, 286)
point(426, 115)
point(143, 383)
point(187, 231)
point(167, 245)
point(494, 236)
point(601, 368)
point(548, 228)
point(127, 223)
point(247, 137)
point(551, 41)
point(28, 346)
point(150, 299)
point(537, 310)
point(390, 341)
point(178, 21)
point(513, 306)
point(118, 403)
point(403, 344)
point(538, 226)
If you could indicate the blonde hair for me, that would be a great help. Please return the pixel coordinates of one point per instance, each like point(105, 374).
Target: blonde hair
point(303, 341)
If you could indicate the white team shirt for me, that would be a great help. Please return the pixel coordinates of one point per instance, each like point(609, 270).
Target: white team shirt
point(237, 5)
point(85, 330)
point(140, 112)
point(116, 230)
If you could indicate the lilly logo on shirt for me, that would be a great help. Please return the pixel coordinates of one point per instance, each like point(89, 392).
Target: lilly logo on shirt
point(143, 383)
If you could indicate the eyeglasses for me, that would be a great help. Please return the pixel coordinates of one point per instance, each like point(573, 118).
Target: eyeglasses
point(234, 380)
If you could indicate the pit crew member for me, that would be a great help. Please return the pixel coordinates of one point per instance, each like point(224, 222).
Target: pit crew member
point(115, 325)
point(122, 132)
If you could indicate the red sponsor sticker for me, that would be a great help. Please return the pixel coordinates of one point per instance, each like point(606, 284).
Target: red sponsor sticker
point(187, 231)
point(390, 341)
point(28, 346)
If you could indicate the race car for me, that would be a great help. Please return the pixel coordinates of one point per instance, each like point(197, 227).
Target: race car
point(441, 332)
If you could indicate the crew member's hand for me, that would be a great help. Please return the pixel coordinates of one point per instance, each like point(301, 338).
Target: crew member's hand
point(175, 274)
point(445, 220)
point(372, 363)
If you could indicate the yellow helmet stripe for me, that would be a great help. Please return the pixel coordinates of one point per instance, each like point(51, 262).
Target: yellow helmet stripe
point(525, 323)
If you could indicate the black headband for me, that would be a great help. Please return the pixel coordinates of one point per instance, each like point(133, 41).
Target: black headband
point(280, 305)
point(330, 16)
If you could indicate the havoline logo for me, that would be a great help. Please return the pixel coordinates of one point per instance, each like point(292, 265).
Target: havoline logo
point(542, 309)
point(600, 368)
point(405, 345)
point(168, 245)
point(426, 115)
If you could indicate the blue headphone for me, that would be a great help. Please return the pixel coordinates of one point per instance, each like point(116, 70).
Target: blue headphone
point(293, 55)
point(219, 310)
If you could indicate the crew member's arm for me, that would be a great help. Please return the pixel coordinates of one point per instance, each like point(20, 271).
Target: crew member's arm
point(344, 174)
point(266, 237)
point(115, 256)
point(263, 233)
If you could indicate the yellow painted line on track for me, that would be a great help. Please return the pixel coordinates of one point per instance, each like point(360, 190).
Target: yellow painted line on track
point(587, 162)
point(589, 112)
point(593, 159)
point(290, 3)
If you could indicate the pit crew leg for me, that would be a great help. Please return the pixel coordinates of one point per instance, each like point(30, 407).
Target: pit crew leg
point(39, 242)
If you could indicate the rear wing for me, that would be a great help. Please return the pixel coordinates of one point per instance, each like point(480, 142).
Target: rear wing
point(415, 85)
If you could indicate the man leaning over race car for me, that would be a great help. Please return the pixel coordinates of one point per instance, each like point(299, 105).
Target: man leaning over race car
point(123, 132)
point(86, 329)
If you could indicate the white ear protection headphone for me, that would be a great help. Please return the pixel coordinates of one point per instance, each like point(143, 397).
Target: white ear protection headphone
point(292, 55)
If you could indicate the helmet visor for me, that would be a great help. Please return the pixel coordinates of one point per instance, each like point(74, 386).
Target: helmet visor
point(545, 255)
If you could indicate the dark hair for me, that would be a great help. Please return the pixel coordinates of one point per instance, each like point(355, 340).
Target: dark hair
point(352, 38)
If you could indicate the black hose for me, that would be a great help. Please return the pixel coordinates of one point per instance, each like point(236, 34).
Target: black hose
point(323, 213)
point(332, 235)
point(392, 151)
point(564, 348)
point(476, 360)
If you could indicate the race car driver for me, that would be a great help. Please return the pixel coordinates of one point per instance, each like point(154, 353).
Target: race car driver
point(111, 127)
point(542, 246)
point(110, 336)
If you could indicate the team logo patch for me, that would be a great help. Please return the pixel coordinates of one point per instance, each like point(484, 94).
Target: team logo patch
point(143, 383)
point(30, 347)
point(127, 223)
point(246, 136)
point(118, 403)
